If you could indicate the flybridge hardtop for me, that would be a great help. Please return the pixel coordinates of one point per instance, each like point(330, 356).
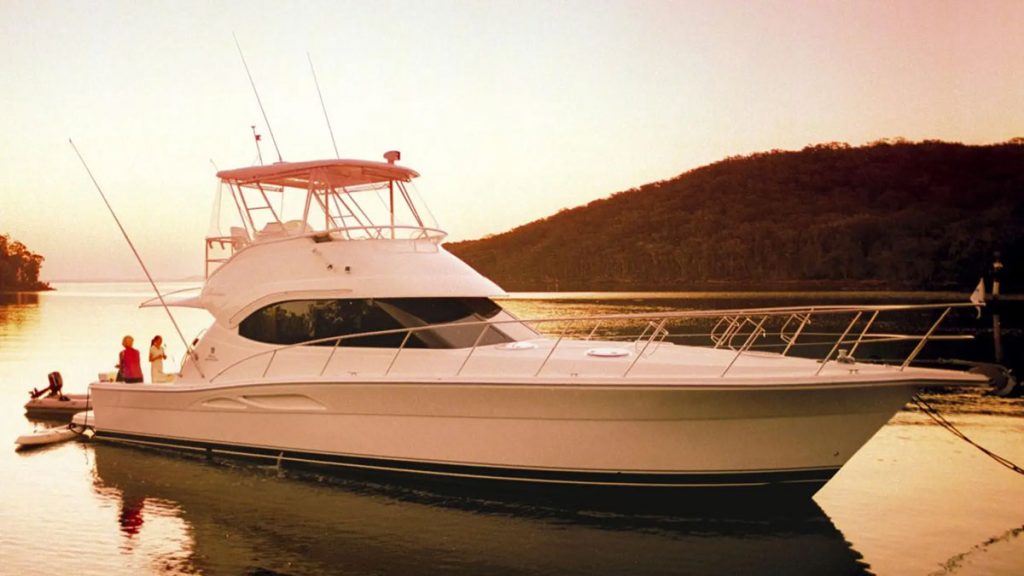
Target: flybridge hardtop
point(337, 200)
point(318, 173)
point(353, 198)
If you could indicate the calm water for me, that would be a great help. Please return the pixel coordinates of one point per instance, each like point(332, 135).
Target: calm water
point(913, 501)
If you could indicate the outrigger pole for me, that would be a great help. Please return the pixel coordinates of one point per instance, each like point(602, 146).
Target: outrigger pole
point(188, 349)
point(323, 106)
point(258, 101)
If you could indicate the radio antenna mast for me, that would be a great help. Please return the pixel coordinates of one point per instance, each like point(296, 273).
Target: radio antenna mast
point(322, 105)
point(188, 349)
point(258, 101)
point(256, 140)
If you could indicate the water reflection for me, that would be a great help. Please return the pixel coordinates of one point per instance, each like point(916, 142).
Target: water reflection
point(130, 515)
point(16, 310)
point(244, 518)
point(19, 298)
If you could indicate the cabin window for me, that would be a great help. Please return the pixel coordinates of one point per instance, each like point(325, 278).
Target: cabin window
point(299, 321)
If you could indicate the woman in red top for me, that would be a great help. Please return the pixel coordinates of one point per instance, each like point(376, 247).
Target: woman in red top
point(129, 365)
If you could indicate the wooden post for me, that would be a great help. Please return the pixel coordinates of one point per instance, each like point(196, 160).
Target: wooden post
point(997, 329)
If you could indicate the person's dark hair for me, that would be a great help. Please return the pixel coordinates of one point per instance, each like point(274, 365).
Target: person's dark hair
point(153, 341)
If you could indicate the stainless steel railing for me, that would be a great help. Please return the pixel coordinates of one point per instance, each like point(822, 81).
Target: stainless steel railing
point(738, 330)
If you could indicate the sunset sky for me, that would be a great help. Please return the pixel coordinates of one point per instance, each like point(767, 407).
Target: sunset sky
point(510, 110)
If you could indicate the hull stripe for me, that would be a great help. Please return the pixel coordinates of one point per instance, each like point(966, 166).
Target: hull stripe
point(807, 477)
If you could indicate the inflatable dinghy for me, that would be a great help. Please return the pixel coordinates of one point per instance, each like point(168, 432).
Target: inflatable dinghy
point(51, 400)
point(46, 436)
point(81, 425)
point(66, 405)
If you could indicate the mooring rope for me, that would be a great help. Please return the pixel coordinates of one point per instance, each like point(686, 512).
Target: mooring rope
point(941, 421)
point(85, 419)
point(956, 562)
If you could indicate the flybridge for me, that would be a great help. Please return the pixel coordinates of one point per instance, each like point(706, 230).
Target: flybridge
point(324, 199)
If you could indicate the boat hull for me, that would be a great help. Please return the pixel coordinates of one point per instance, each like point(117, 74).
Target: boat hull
point(49, 406)
point(633, 436)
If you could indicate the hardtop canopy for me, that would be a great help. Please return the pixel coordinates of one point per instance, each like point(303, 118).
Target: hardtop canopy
point(319, 173)
point(344, 200)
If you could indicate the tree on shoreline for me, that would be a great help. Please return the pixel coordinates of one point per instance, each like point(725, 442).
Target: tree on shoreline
point(19, 267)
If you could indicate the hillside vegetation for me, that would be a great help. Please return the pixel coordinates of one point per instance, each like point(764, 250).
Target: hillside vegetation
point(19, 267)
point(889, 215)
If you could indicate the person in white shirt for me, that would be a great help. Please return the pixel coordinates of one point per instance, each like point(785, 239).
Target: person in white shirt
point(156, 360)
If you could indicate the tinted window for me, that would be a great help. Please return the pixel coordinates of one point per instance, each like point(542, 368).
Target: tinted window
point(304, 320)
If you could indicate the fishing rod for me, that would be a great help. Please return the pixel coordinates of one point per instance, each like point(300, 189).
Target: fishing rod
point(258, 101)
point(323, 106)
point(188, 348)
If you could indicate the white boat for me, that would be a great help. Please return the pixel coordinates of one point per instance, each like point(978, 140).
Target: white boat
point(346, 335)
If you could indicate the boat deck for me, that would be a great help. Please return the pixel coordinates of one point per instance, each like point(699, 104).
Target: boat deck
point(547, 361)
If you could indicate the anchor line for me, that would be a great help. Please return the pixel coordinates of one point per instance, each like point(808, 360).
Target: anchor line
point(955, 562)
point(941, 421)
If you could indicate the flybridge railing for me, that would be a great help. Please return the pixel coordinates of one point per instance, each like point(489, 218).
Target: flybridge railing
point(744, 332)
point(240, 237)
point(220, 249)
point(385, 232)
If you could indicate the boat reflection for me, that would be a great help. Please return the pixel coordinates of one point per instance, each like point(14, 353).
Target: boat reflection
point(244, 518)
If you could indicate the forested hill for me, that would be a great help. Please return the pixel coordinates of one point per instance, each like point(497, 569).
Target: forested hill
point(19, 267)
point(889, 215)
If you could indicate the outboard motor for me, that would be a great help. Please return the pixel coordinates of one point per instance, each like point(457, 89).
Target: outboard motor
point(56, 384)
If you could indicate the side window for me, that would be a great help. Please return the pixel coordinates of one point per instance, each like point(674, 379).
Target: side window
point(303, 320)
point(299, 321)
point(282, 323)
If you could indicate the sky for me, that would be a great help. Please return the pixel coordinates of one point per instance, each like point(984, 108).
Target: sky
point(510, 110)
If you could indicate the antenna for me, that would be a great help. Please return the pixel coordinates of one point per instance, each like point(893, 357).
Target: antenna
point(322, 105)
point(188, 348)
point(258, 101)
point(256, 138)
